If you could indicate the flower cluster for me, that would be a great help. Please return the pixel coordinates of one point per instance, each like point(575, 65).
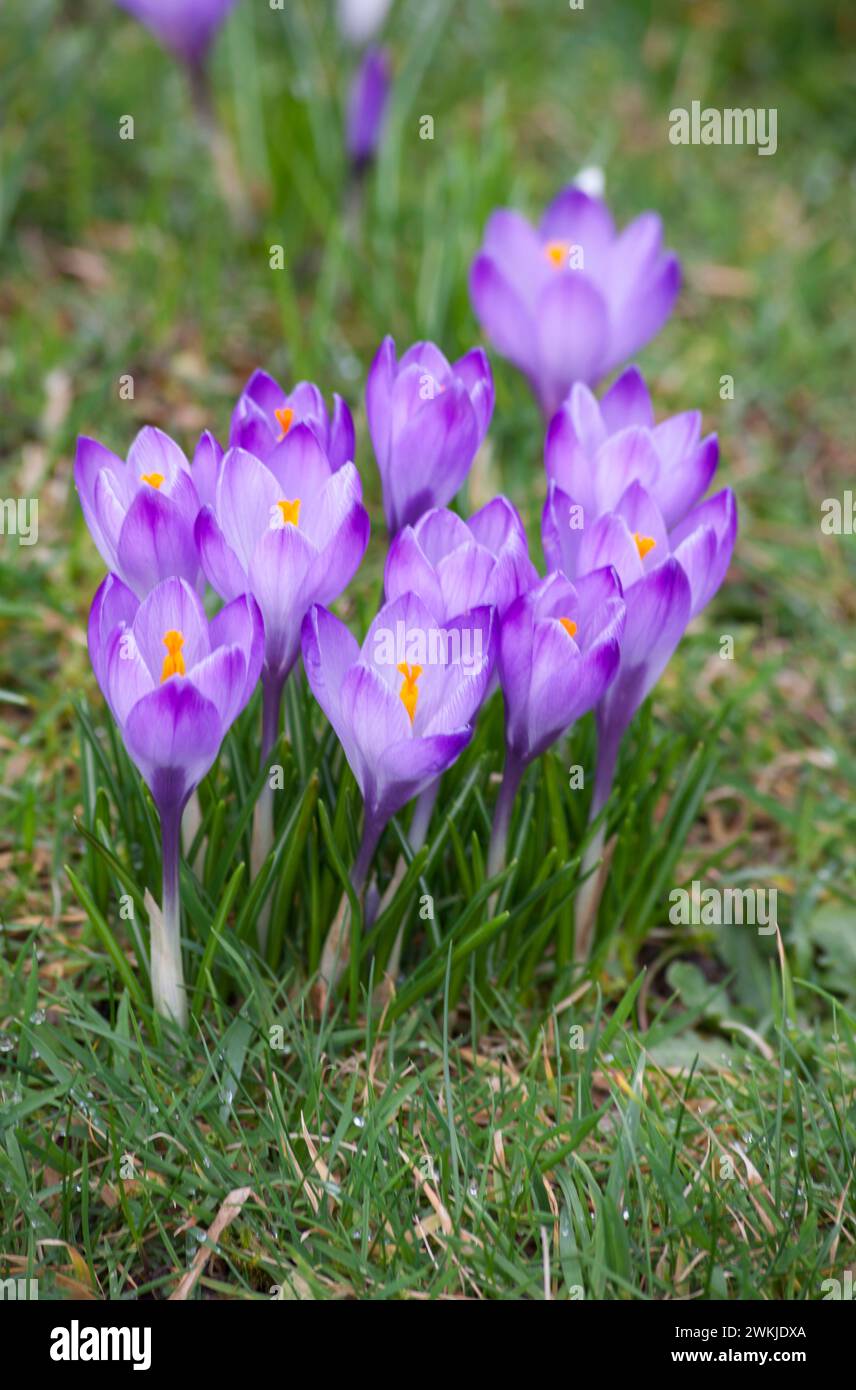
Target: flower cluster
point(275, 524)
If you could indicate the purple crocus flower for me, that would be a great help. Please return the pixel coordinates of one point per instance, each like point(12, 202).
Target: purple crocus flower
point(559, 647)
point(265, 413)
point(186, 27)
point(667, 576)
point(174, 682)
point(594, 450)
point(291, 531)
point(427, 420)
point(573, 299)
point(367, 102)
point(455, 565)
point(141, 513)
point(402, 704)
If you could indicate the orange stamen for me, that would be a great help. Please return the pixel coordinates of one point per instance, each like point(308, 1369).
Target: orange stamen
point(153, 479)
point(290, 511)
point(643, 544)
point(284, 418)
point(557, 253)
point(569, 625)
point(173, 662)
point(409, 693)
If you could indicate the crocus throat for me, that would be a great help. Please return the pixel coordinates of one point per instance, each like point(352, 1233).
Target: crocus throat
point(153, 479)
point(285, 419)
point(173, 662)
point(569, 625)
point(643, 544)
point(558, 253)
point(290, 511)
point(409, 692)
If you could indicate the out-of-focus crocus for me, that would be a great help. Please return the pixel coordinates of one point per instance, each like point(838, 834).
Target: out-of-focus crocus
point(667, 577)
point(402, 706)
point(360, 20)
point(186, 27)
point(291, 531)
point(427, 419)
point(455, 565)
point(141, 513)
point(572, 299)
point(174, 682)
point(265, 414)
point(594, 450)
point(367, 102)
point(558, 651)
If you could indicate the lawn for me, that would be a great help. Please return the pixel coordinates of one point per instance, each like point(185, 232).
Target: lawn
point(677, 1118)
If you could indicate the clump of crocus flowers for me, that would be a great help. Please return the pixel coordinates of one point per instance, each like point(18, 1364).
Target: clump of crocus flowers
point(275, 524)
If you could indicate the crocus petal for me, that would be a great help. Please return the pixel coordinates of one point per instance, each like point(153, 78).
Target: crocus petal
point(609, 541)
point(221, 566)
point(341, 443)
point(658, 610)
point(575, 217)
point(152, 451)
point(441, 439)
point(644, 518)
point(407, 768)
point(222, 679)
point(173, 735)
point(110, 512)
point(515, 248)
point(720, 513)
point(247, 494)
point(240, 624)
point(571, 328)
point(627, 402)
point(502, 312)
point(114, 605)
point(408, 569)
point(341, 533)
point(465, 578)
point(173, 605)
point(681, 487)
point(128, 677)
point(206, 462)
point(379, 384)
point(278, 572)
point(301, 467)
point(156, 541)
point(376, 719)
point(475, 372)
point(90, 458)
point(329, 652)
point(625, 458)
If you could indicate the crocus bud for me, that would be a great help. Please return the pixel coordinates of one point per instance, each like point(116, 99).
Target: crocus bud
point(367, 102)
